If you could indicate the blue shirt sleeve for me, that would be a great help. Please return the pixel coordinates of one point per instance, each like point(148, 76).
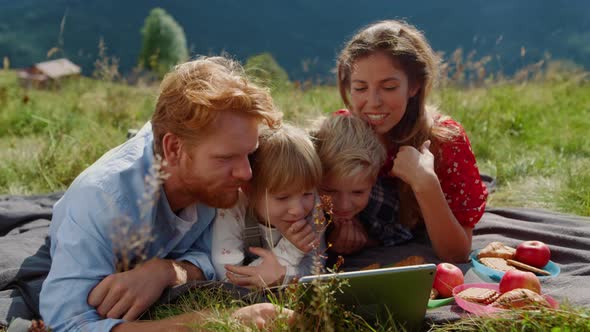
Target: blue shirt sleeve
point(81, 258)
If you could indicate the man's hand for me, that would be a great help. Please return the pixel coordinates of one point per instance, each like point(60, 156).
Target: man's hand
point(414, 167)
point(269, 273)
point(348, 236)
point(128, 294)
point(262, 315)
point(301, 234)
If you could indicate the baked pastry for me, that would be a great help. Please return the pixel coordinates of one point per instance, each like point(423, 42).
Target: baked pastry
point(526, 267)
point(411, 260)
point(496, 263)
point(521, 298)
point(479, 295)
point(497, 249)
point(371, 267)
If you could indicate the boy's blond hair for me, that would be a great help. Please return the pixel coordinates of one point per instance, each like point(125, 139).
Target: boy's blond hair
point(348, 146)
point(284, 161)
point(194, 93)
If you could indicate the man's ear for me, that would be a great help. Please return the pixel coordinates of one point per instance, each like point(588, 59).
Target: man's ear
point(171, 148)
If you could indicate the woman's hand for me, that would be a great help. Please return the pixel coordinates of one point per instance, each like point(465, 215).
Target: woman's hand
point(348, 236)
point(414, 167)
point(269, 273)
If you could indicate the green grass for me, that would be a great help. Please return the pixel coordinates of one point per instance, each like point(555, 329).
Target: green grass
point(47, 137)
point(530, 136)
point(334, 318)
point(565, 318)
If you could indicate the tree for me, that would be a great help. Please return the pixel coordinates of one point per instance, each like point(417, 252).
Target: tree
point(267, 71)
point(164, 42)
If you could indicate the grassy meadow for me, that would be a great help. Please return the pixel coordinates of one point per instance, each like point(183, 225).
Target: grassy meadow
point(531, 133)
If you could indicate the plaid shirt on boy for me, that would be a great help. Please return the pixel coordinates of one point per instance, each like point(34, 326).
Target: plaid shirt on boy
point(380, 217)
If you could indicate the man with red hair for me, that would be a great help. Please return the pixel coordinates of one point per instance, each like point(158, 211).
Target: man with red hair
point(138, 220)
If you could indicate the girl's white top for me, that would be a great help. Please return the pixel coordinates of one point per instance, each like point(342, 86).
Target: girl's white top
point(229, 246)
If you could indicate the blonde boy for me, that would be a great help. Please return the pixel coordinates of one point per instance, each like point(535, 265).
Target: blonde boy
point(351, 157)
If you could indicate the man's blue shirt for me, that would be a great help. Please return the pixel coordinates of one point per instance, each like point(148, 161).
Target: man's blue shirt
point(97, 217)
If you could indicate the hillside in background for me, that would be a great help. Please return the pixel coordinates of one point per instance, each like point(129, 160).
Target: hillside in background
point(303, 35)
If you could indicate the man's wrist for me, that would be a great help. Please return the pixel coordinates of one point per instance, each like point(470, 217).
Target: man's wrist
point(179, 274)
point(170, 270)
point(174, 272)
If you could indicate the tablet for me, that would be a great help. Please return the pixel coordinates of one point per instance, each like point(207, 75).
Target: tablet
point(380, 295)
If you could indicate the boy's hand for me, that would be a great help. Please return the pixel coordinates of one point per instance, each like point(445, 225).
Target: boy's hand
point(348, 236)
point(301, 235)
point(127, 294)
point(269, 273)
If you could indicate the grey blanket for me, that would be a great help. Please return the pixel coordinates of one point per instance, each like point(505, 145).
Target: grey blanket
point(24, 253)
point(24, 257)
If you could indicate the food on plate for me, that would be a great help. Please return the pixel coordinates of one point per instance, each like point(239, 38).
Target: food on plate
point(520, 298)
point(371, 267)
point(497, 249)
point(534, 253)
point(447, 277)
point(479, 295)
point(497, 263)
point(526, 267)
point(528, 256)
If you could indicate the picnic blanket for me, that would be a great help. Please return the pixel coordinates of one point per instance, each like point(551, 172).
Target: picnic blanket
point(568, 236)
point(25, 261)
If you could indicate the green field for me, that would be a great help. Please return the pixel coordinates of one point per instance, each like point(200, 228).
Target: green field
point(532, 136)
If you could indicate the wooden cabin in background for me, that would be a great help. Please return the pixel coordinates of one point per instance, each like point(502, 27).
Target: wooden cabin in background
point(48, 73)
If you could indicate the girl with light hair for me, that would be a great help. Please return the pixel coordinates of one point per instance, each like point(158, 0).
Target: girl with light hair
point(276, 210)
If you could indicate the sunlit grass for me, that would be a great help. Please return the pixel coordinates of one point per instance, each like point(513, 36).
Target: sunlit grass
point(531, 136)
point(566, 318)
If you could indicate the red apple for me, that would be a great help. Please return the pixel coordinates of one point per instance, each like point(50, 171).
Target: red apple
point(519, 279)
point(534, 253)
point(446, 278)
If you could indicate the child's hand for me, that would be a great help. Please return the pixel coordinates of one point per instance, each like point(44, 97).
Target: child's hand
point(262, 315)
point(414, 167)
point(269, 273)
point(348, 236)
point(301, 235)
